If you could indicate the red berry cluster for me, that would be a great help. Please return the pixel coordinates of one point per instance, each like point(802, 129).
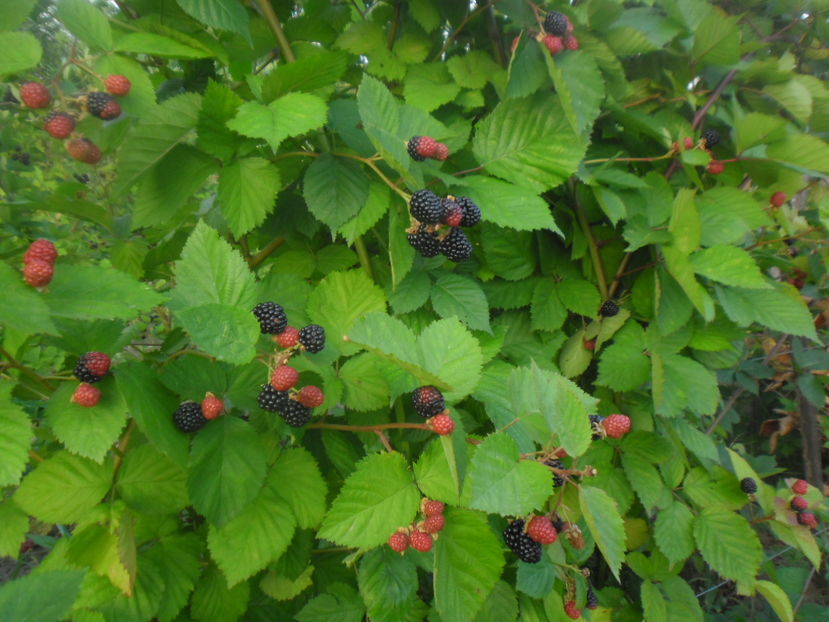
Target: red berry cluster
point(708, 140)
point(39, 263)
point(801, 506)
point(285, 378)
point(92, 367)
point(429, 212)
point(422, 534)
point(557, 35)
point(60, 124)
point(422, 147)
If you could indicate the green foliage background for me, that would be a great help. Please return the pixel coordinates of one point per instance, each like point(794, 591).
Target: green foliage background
point(262, 156)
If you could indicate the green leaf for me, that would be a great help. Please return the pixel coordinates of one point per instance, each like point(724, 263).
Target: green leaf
point(158, 45)
point(547, 311)
point(606, 526)
point(159, 131)
point(472, 70)
point(717, 40)
point(565, 408)
point(684, 604)
point(108, 551)
point(151, 482)
point(580, 88)
point(179, 560)
point(341, 604)
point(227, 468)
point(527, 72)
point(778, 599)
point(335, 189)
point(727, 215)
point(509, 254)
point(377, 202)
point(365, 383)
point(654, 605)
point(685, 222)
point(461, 587)
point(309, 73)
point(679, 266)
point(88, 432)
point(802, 150)
point(645, 480)
point(64, 488)
point(450, 352)
point(228, 333)
point(116, 294)
point(14, 523)
point(15, 13)
point(251, 540)
point(683, 384)
point(152, 408)
point(86, 22)
point(22, 600)
point(367, 510)
point(462, 297)
point(212, 271)
point(222, 14)
point(388, 583)
point(219, 105)
point(794, 97)
point(729, 265)
point(291, 115)
point(340, 300)
point(15, 440)
point(23, 308)
point(296, 478)
point(780, 308)
point(21, 51)
point(728, 543)
point(580, 296)
point(672, 532)
point(247, 192)
point(500, 482)
point(623, 365)
point(434, 473)
point(527, 210)
point(501, 604)
point(528, 142)
point(169, 186)
point(213, 601)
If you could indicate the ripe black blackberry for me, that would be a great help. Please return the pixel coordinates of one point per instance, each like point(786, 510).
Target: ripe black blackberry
point(426, 207)
point(592, 599)
point(97, 101)
point(555, 23)
point(748, 485)
point(87, 363)
point(558, 523)
point(413, 146)
point(189, 417)
point(272, 318)
point(295, 414)
point(558, 480)
point(471, 212)
point(711, 138)
point(312, 338)
point(424, 242)
point(596, 422)
point(456, 246)
point(527, 549)
point(428, 401)
point(609, 309)
point(270, 399)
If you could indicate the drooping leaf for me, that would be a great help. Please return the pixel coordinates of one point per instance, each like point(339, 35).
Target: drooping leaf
point(606, 526)
point(293, 114)
point(728, 543)
point(247, 189)
point(335, 189)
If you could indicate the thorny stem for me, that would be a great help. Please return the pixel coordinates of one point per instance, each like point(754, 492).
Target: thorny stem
point(262, 255)
point(594, 250)
point(385, 440)
point(362, 254)
point(35, 455)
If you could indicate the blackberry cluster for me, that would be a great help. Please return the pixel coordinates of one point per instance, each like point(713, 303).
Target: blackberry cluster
point(748, 485)
point(711, 138)
point(555, 24)
point(425, 242)
point(428, 401)
point(596, 421)
point(312, 338)
point(272, 318)
point(272, 400)
point(189, 417)
point(527, 549)
point(295, 414)
point(609, 309)
point(558, 480)
point(97, 102)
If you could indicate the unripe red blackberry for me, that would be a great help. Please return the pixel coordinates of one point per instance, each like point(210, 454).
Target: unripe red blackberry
point(42, 250)
point(441, 152)
point(798, 504)
point(92, 367)
point(118, 84)
point(555, 23)
point(452, 213)
point(434, 524)
point(425, 206)
point(527, 549)
point(456, 246)
point(99, 104)
point(35, 95)
point(471, 212)
point(311, 396)
point(189, 417)
point(421, 541)
point(59, 125)
point(295, 414)
point(421, 147)
point(428, 401)
point(425, 242)
point(571, 43)
point(553, 43)
point(38, 273)
point(86, 395)
point(312, 338)
point(399, 542)
point(288, 338)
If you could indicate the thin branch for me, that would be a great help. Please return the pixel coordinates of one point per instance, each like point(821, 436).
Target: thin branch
point(30, 373)
point(594, 251)
point(276, 27)
point(368, 428)
point(262, 255)
point(362, 253)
